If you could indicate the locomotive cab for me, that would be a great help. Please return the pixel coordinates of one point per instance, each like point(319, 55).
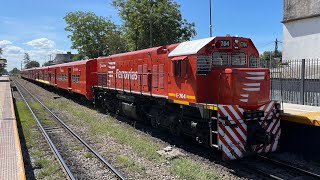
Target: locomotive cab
point(223, 75)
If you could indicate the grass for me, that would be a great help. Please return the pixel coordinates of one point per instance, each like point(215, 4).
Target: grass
point(141, 144)
point(88, 155)
point(123, 134)
point(130, 164)
point(48, 169)
point(190, 170)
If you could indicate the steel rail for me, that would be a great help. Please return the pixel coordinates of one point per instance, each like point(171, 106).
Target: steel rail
point(119, 175)
point(290, 166)
point(53, 147)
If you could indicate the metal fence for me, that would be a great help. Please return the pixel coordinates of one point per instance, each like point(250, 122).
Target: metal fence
point(295, 81)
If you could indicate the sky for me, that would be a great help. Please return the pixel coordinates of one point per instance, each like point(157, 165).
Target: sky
point(37, 26)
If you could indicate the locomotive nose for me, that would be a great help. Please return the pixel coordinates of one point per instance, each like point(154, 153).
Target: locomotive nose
point(252, 87)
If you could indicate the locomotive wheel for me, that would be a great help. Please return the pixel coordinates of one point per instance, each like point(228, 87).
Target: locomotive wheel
point(175, 129)
point(153, 122)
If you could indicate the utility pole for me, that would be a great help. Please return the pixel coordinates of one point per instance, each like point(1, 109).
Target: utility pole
point(276, 48)
point(210, 18)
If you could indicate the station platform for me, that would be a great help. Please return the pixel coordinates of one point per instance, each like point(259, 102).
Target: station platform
point(11, 160)
point(300, 130)
point(302, 114)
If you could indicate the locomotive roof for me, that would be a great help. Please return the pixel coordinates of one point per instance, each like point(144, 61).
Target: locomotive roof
point(72, 63)
point(190, 47)
point(143, 51)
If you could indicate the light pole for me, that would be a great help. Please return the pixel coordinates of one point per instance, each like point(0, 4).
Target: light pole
point(210, 18)
point(150, 22)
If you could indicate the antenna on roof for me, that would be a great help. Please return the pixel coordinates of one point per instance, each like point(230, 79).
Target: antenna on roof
point(210, 19)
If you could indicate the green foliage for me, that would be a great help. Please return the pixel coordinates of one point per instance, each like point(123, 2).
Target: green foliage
point(32, 64)
point(15, 71)
point(153, 23)
point(47, 63)
point(91, 35)
point(2, 70)
point(265, 56)
point(26, 59)
point(77, 57)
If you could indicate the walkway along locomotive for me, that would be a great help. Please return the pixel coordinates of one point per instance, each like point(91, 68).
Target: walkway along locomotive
point(208, 89)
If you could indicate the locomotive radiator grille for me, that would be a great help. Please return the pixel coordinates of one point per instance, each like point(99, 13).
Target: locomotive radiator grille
point(204, 64)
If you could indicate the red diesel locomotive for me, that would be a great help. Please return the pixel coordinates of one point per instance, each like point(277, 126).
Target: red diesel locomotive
point(208, 89)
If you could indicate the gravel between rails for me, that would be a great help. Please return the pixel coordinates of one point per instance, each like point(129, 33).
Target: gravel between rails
point(111, 149)
point(35, 150)
point(80, 161)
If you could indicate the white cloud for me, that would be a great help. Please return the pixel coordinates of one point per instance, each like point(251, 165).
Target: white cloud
point(13, 50)
point(40, 50)
point(4, 43)
point(41, 43)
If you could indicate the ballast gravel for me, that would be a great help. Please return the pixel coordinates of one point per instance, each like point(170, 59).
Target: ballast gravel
point(111, 149)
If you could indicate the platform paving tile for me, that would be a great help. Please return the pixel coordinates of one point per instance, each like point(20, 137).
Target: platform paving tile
point(11, 163)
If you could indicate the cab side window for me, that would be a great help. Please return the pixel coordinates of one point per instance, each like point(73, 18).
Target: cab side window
point(180, 68)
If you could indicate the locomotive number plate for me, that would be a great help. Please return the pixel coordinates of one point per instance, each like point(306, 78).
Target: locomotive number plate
point(243, 44)
point(225, 43)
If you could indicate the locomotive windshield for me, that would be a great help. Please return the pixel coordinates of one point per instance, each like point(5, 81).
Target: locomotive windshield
point(233, 59)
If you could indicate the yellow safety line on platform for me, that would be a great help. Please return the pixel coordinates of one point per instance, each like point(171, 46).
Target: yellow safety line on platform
point(22, 175)
point(306, 118)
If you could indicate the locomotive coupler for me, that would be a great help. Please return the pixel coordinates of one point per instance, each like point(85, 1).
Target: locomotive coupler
point(257, 135)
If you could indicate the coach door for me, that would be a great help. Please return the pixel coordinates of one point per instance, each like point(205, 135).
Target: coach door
point(69, 77)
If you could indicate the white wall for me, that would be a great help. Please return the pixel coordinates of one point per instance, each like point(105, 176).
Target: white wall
point(301, 39)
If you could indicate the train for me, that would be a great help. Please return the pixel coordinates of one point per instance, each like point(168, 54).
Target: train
point(210, 89)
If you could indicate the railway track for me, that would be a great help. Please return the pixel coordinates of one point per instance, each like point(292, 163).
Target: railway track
point(275, 169)
point(49, 129)
point(267, 168)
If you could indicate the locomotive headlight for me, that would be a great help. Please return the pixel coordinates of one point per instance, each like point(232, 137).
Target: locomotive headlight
point(236, 41)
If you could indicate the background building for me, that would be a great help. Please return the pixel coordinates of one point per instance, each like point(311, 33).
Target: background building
point(301, 29)
point(62, 58)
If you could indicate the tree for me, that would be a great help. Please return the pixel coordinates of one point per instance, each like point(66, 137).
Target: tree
point(47, 63)
point(77, 57)
point(153, 22)
point(91, 35)
point(15, 71)
point(2, 66)
point(265, 56)
point(32, 64)
point(26, 59)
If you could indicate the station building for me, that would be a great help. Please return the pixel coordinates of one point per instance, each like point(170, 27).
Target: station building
point(301, 29)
